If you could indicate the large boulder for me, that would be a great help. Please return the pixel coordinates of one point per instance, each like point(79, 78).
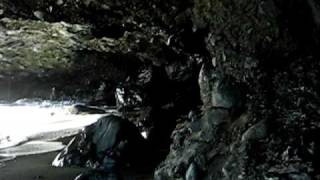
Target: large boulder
point(108, 145)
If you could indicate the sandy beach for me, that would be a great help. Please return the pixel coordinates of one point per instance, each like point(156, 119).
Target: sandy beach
point(40, 140)
point(37, 146)
point(38, 167)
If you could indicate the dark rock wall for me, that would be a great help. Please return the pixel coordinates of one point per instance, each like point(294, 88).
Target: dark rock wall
point(263, 48)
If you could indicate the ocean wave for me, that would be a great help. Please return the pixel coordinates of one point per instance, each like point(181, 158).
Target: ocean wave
point(30, 148)
point(26, 124)
point(4, 158)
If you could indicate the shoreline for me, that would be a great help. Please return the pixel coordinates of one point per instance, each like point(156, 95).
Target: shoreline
point(37, 167)
point(36, 143)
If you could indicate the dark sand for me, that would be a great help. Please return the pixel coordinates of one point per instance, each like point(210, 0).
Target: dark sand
point(36, 167)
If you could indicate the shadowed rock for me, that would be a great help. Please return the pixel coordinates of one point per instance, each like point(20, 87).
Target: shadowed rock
point(108, 145)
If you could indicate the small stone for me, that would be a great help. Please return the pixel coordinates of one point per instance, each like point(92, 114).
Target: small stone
point(39, 14)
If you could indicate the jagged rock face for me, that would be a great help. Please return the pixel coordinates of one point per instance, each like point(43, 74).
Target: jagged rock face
point(37, 56)
point(218, 90)
point(201, 147)
point(31, 50)
point(37, 46)
point(267, 135)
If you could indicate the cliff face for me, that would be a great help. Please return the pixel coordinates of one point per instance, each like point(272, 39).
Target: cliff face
point(257, 120)
point(236, 81)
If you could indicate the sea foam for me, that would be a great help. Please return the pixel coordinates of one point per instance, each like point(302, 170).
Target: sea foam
point(29, 127)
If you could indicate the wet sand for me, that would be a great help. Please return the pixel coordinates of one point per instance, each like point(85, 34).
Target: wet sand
point(37, 167)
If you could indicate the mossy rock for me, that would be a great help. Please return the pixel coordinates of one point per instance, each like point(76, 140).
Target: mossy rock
point(35, 46)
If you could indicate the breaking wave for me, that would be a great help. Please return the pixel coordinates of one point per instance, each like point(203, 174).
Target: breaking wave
point(31, 126)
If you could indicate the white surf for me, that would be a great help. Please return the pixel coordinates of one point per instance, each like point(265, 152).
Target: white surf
point(30, 127)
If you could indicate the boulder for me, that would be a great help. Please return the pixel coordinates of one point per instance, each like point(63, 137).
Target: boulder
point(112, 142)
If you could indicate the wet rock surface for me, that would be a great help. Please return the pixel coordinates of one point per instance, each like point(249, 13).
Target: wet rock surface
point(231, 85)
point(107, 146)
point(109, 133)
point(31, 50)
point(246, 114)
